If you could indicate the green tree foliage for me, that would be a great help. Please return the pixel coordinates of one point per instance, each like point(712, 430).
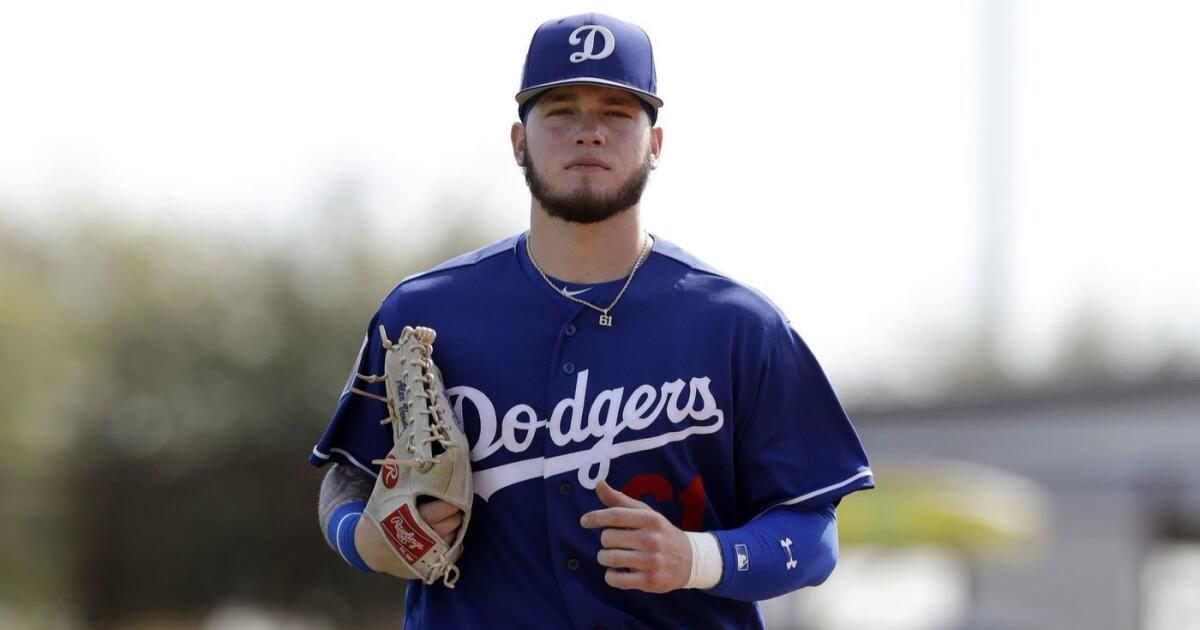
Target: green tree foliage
point(39, 376)
point(160, 394)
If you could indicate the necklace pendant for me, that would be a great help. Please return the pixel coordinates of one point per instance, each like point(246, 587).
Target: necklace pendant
point(605, 319)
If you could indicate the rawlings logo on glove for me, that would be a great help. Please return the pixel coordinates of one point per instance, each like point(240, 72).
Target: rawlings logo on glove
point(430, 458)
point(405, 536)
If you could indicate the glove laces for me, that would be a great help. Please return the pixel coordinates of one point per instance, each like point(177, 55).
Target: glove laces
point(401, 413)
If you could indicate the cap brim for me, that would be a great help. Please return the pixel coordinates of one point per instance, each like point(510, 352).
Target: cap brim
point(526, 94)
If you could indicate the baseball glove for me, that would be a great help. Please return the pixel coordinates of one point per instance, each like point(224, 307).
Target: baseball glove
point(430, 458)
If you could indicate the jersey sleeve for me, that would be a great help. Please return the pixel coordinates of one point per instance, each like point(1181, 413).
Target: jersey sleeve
point(354, 435)
point(794, 444)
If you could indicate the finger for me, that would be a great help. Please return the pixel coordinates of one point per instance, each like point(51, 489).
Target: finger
point(448, 528)
point(615, 538)
point(625, 580)
point(629, 518)
point(612, 498)
point(437, 510)
point(623, 559)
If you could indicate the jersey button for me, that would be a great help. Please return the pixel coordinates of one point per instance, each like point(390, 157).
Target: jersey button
point(565, 488)
point(573, 564)
point(569, 330)
point(569, 367)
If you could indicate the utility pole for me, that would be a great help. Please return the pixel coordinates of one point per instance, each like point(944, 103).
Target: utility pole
point(995, 178)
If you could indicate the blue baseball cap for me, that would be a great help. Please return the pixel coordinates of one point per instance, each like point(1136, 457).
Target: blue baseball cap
point(591, 48)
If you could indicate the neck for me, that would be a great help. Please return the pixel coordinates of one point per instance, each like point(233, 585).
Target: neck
point(586, 253)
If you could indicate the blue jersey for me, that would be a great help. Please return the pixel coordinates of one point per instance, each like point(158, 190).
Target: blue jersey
point(700, 400)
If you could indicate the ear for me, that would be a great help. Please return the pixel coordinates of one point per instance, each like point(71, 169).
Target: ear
point(656, 138)
point(518, 143)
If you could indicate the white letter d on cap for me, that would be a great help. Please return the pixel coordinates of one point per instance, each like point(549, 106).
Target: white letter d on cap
point(589, 43)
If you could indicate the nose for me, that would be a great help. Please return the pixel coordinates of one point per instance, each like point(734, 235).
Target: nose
point(590, 131)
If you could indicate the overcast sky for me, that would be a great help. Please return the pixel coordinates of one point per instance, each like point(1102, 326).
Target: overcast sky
point(826, 153)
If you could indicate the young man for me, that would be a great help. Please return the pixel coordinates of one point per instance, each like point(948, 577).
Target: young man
point(653, 445)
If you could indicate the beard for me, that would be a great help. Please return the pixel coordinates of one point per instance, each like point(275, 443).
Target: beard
point(584, 205)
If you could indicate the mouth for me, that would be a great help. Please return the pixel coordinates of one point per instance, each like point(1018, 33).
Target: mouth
point(587, 164)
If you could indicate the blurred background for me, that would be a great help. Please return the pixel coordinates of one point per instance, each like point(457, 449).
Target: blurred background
point(980, 214)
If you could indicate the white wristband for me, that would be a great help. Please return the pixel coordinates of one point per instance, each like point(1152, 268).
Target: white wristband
point(707, 565)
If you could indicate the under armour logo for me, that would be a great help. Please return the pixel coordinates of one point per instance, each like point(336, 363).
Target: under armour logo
point(589, 43)
point(786, 543)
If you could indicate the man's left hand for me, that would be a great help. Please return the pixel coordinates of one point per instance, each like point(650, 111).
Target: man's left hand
point(640, 547)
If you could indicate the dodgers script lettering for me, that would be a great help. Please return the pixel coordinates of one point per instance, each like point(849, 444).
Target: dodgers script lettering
point(668, 413)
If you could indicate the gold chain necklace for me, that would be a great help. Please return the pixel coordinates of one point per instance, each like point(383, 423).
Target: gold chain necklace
point(605, 318)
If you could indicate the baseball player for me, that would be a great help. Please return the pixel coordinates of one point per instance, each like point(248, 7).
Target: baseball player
point(653, 444)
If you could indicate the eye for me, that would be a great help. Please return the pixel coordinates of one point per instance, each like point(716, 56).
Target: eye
point(619, 114)
point(559, 111)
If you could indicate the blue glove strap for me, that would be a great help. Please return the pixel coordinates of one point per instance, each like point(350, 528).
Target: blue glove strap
point(341, 532)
